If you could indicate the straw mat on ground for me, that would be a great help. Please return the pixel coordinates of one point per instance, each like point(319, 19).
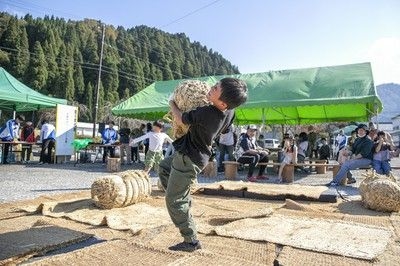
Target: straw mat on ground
point(216, 250)
point(334, 237)
point(134, 217)
point(294, 256)
point(268, 191)
point(36, 240)
point(110, 253)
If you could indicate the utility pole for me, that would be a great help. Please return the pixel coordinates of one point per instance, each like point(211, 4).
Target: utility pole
point(96, 108)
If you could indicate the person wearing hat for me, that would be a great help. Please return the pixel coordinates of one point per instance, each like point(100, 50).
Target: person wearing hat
point(109, 137)
point(361, 156)
point(9, 133)
point(250, 154)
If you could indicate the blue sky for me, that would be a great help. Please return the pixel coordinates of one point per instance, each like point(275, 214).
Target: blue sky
point(257, 35)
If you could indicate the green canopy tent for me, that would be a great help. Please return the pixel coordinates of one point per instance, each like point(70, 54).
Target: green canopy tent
point(15, 96)
point(300, 96)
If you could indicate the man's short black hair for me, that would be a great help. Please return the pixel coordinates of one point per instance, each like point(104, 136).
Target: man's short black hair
point(381, 133)
point(158, 123)
point(234, 92)
point(21, 117)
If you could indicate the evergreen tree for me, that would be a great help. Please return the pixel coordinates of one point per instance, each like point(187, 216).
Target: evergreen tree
point(38, 69)
point(59, 57)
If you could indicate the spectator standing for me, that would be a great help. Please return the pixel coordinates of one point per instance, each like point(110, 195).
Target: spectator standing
point(381, 159)
point(156, 140)
point(9, 133)
point(312, 142)
point(340, 143)
point(136, 132)
point(27, 135)
point(251, 154)
point(109, 137)
point(125, 149)
point(48, 139)
point(226, 145)
point(146, 142)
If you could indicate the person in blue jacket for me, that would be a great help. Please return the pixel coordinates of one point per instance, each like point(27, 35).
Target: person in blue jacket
point(109, 137)
point(9, 133)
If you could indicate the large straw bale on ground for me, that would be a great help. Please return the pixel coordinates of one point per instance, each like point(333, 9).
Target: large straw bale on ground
point(189, 95)
point(122, 189)
point(379, 192)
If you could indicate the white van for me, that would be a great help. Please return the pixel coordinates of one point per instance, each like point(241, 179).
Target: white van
point(271, 143)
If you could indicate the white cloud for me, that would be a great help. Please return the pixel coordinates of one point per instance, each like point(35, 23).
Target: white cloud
point(384, 55)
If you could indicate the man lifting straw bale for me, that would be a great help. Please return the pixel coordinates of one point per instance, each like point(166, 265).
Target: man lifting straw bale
point(193, 150)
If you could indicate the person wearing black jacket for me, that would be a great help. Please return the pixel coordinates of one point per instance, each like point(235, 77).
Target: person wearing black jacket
point(124, 134)
point(362, 156)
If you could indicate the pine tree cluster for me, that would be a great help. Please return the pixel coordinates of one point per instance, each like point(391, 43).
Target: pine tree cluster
point(61, 58)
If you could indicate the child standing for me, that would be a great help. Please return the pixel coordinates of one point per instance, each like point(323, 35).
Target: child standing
point(156, 139)
point(192, 153)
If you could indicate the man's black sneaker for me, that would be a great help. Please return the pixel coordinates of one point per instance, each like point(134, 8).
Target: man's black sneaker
point(186, 246)
point(351, 180)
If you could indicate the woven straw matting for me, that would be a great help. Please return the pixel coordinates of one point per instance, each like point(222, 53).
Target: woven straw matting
point(36, 240)
point(329, 236)
point(294, 256)
point(270, 191)
point(134, 218)
point(216, 250)
point(118, 252)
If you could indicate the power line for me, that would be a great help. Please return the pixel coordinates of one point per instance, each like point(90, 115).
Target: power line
point(82, 64)
point(190, 13)
point(139, 40)
point(26, 5)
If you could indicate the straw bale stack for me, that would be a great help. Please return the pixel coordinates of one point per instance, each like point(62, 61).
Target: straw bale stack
point(189, 95)
point(122, 189)
point(380, 192)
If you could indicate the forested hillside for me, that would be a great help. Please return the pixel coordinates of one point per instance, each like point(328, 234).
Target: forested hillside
point(61, 58)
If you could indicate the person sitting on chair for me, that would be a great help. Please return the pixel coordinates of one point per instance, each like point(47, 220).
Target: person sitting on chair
point(361, 157)
point(252, 154)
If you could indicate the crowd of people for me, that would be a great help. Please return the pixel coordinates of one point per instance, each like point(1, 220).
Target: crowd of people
point(12, 132)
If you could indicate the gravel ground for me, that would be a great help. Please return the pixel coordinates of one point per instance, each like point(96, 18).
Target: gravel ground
point(18, 181)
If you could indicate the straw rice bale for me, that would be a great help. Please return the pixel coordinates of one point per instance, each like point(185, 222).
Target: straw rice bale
point(380, 192)
point(189, 95)
point(120, 190)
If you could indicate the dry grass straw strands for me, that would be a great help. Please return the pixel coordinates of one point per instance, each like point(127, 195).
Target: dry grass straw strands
point(122, 189)
point(189, 95)
point(380, 192)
